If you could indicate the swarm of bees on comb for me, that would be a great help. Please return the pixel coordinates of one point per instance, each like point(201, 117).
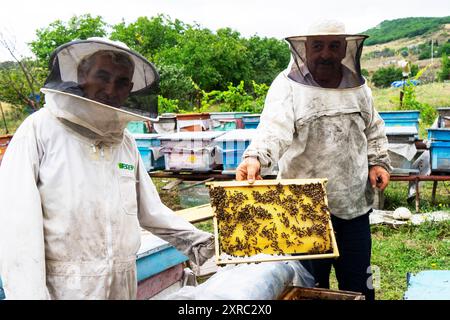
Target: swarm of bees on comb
point(275, 219)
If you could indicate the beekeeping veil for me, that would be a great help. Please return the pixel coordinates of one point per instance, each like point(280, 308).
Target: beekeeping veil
point(351, 68)
point(66, 99)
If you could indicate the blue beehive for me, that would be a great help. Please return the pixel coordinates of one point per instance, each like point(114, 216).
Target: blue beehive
point(428, 285)
point(137, 127)
point(439, 134)
point(401, 118)
point(148, 145)
point(400, 115)
point(439, 149)
point(156, 255)
point(232, 146)
point(251, 121)
point(440, 156)
point(147, 140)
point(148, 157)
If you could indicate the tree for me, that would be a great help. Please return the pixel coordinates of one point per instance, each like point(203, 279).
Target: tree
point(149, 36)
point(445, 70)
point(59, 32)
point(267, 56)
point(383, 77)
point(211, 60)
point(175, 84)
point(20, 79)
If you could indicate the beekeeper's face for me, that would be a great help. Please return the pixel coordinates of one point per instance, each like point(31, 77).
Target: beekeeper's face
point(106, 79)
point(324, 55)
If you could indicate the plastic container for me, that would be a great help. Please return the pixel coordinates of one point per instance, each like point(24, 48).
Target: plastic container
point(439, 134)
point(193, 122)
point(440, 156)
point(251, 121)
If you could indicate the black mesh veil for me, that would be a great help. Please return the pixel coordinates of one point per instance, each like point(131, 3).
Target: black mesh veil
point(298, 69)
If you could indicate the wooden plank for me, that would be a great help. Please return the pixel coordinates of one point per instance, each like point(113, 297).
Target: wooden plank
point(300, 293)
point(196, 184)
point(196, 214)
point(172, 184)
point(277, 258)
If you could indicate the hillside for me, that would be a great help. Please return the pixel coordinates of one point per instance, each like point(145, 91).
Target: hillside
point(416, 49)
point(390, 30)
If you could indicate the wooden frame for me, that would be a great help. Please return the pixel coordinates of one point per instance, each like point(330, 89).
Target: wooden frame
point(220, 261)
point(292, 293)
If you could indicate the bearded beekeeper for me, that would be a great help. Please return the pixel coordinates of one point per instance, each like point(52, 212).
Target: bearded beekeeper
point(319, 121)
point(73, 189)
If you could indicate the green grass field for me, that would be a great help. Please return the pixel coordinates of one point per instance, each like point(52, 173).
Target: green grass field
point(435, 94)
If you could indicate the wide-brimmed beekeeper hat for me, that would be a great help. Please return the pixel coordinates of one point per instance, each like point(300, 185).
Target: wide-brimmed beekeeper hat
point(65, 59)
point(66, 100)
point(328, 27)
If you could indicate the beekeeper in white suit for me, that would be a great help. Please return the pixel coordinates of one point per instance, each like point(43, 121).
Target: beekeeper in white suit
point(73, 189)
point(319, 121)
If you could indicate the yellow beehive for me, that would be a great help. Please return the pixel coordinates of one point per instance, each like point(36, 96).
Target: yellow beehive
point(273, 217)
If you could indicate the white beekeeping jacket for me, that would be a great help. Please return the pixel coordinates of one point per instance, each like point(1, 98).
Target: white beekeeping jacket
point(315, 132)
point(72, 203)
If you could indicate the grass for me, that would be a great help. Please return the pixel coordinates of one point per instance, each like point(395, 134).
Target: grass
point(397, 192)
point(436, 94)
point(408, 249)
point(395, 250)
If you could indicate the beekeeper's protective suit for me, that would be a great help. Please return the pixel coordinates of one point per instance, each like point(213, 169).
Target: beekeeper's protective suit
point(319, 132)
point(313, 131)
point(74, 193)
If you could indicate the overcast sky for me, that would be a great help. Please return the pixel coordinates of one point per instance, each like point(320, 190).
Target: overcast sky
point(276, 18)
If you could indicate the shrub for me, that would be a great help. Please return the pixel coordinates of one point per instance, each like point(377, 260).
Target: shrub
point(383, 77)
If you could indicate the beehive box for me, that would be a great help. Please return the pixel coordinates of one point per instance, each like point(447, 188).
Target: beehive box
point(271, 220)
point(299, 293)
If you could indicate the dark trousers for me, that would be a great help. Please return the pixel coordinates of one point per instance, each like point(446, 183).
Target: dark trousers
point(353, 265)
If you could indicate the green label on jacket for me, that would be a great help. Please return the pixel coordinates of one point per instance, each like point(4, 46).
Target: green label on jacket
point(126, 166)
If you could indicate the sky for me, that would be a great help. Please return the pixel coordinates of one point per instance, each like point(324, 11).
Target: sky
point(19, 19)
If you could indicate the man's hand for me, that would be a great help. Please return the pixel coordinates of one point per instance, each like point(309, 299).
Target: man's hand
point(379, 177)
point(249, 170)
